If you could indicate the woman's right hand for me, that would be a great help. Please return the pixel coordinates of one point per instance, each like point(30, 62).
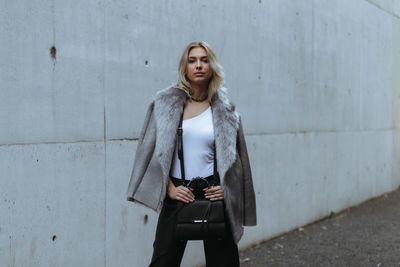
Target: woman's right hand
point(180, 193)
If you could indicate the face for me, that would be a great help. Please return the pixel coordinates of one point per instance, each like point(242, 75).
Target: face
point(198, 68)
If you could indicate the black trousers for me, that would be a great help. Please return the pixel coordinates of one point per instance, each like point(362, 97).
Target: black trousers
point(168, 252)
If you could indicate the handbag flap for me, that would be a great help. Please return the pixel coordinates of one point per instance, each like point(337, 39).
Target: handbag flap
point(201, 210)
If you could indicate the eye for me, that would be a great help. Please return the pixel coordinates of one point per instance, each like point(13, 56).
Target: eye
point(205, 60)
point(191, 61)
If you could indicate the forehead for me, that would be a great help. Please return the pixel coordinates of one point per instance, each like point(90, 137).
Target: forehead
point(198, 52)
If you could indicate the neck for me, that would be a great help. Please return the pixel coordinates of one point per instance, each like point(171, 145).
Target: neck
point(198, 90)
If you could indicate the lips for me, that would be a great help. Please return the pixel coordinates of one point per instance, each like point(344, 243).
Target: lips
point(199, 73)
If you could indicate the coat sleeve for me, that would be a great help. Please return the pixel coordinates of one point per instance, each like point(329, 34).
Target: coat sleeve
point(144, 152)
point(249, 205)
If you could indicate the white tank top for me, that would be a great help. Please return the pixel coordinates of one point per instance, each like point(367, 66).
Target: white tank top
point(198, 147)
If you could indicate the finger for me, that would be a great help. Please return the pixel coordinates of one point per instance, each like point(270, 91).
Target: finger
point(214, 189)
point(182, 196)
point(217, 193)
point(184, 200)
point(190, 193)
point(209, 189)
point(185, 196)
point(187, 193)
point(187, 190)
point(182, 188)
point(216, 198)
point(180, 199)
point(213, 196)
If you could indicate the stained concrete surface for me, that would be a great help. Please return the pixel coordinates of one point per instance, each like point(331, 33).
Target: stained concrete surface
point(364, 235)
point(315, 81)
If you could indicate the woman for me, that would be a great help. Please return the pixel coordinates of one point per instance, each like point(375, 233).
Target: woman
point(209, 120)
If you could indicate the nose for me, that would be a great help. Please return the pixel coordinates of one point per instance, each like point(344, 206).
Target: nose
point(198, 65)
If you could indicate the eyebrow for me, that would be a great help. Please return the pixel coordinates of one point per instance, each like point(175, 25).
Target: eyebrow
point(200, 57)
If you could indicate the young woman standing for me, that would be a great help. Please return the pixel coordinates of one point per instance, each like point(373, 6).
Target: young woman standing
point(210, 123)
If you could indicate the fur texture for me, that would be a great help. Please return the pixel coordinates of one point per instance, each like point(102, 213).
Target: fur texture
point(168, 108)
point(150, 174)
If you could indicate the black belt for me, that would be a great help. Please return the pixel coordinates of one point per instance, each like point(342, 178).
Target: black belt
point(210, 179)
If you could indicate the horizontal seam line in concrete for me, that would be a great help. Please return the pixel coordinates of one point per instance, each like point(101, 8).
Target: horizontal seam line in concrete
point(71, 142)
point(381, 8)
point(321, 132)
point(247, 134)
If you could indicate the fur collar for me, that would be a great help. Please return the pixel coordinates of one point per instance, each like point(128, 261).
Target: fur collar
point(168, 107)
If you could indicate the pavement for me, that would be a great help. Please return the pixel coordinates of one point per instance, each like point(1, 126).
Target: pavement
point(364, 235)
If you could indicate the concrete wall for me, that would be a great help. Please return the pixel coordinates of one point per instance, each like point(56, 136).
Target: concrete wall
point(317, 84)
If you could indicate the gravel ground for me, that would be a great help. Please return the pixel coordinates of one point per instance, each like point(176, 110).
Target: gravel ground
point(364, 235)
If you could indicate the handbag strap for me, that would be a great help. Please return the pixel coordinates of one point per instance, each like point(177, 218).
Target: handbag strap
point(179, 133)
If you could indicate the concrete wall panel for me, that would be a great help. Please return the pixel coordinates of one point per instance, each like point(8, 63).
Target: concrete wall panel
point(132, 70)
point(396, 101)
point(396, 159)
point(303, 176)
point(137, 71)
point(52, 205)
point(396, 74)
point(348, 40)
point(123, 239)
point(317, 84)
point(278, 67)
point(302, 71)
point(52, 100)
point(126, 244)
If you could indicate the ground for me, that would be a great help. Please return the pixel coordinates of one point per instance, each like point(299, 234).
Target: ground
point(365, 235)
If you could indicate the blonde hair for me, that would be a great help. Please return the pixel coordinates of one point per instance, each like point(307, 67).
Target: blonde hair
point(217, 77)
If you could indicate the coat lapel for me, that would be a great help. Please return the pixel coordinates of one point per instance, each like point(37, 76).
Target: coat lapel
point(168, 108)
point(226, 125)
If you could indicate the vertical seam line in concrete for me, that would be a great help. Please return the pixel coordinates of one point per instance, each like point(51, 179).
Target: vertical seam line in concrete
point(105, 189)
point(53, 97)
point(54, 31)
point(392, 66)
point(104, 132)
point(312, 44)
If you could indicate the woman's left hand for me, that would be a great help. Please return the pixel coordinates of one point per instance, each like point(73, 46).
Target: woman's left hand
point(214, 192)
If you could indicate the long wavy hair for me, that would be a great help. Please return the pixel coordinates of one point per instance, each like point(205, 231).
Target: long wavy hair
point(217, 77)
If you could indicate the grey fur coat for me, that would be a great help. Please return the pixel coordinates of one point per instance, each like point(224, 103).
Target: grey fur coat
point(151, 168)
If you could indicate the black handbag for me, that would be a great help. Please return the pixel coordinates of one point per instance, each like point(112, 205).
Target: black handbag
point(201, 219)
